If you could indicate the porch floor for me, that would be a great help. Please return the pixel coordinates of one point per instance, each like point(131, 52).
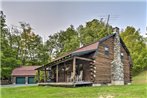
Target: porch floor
point(66, 84)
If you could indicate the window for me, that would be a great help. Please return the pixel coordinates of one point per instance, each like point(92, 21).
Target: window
point(106, 51)
point(122, 55)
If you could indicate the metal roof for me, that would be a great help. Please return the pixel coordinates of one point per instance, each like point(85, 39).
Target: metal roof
point(25, 71)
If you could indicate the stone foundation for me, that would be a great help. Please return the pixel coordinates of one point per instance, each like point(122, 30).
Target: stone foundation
point(117, 82)
point(96, 84)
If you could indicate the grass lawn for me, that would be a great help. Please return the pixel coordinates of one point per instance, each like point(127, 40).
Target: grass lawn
point(136, 90)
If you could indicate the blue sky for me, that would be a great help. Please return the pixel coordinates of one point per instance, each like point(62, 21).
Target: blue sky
point(48, 17)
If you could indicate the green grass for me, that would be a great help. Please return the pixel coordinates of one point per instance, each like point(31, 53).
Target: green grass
point(136, 90)
point(141, 78)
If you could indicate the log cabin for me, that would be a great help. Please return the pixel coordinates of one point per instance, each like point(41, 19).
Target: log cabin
point(106, 61)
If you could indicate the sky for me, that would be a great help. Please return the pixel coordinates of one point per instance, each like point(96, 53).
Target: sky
point(48, 17)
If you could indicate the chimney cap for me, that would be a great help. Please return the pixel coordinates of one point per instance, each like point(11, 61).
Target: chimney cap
point(115, 30)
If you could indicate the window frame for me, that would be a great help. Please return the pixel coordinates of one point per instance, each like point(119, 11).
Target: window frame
point(106, 50)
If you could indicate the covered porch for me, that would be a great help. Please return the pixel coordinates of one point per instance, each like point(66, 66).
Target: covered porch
point(68, 71)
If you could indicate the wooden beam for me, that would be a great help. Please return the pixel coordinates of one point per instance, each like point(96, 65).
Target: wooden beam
point(61, 61)
point(57, 73)
point(44, 70)
point(45, 75)
point(74, 69)
point(38, 76)
point(81, 58)
point(53, 63)
point(64, 72)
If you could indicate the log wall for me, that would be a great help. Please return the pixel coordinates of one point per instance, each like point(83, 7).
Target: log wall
point(127, 66)
point(103, 63)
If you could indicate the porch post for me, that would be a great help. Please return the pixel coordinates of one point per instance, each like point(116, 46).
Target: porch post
point(45, 75)
point(74, 69)
point(64, 72)
point(57, 73)
point(38, 76)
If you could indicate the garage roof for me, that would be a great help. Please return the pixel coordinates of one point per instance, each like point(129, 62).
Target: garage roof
point(24, 71)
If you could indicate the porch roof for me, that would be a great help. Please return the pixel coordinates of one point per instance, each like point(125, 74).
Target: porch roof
point(66, 58)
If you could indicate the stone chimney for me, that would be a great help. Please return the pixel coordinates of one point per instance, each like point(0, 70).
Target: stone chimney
point(117, 70)
point(116, 30)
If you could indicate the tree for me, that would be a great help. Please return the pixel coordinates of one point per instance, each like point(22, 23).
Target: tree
point(32, 48)
point(62, 42)
point(53, 45)
point(94, 30)
point(68, 40)
point(8, 60)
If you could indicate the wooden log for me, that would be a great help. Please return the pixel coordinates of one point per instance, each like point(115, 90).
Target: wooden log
point(81, 58)
point(45, 75)
point(74, 69)
point(56, 73)
point(38, 76)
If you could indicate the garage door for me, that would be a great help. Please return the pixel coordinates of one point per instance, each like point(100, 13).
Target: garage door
point(31, 80)
point(20, 80)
